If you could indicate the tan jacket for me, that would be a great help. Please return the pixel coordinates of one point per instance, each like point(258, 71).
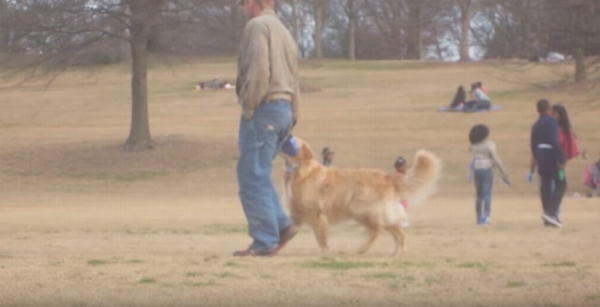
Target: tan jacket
point(267, 64)
point(486, 156)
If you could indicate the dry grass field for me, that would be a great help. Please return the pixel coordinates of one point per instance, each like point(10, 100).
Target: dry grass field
point(85, 224)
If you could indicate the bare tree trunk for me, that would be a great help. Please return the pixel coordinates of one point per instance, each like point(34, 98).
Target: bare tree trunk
point(414, 42)
point(154, 40)
point(318, 35)
point(139, 135)
point(4, 40)
point(351, 30)
point(465, 22)
point(580, 67)
point(296, 23)
point(4, 28)
point(125, 45)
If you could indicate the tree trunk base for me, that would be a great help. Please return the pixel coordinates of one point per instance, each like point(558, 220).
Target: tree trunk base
point(139, 146)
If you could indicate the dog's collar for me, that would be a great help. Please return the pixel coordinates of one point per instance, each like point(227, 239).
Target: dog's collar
point(291, 167)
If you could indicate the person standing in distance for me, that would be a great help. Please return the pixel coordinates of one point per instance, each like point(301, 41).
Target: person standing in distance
point(268, 90)
point(550, 161)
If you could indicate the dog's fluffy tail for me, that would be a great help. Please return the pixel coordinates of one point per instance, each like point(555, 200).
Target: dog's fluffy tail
point(421, 179)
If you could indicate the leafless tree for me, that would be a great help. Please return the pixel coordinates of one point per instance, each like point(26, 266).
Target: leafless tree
point(318, 11)
point(466, 9)
point(575, 29)
point(62, 31)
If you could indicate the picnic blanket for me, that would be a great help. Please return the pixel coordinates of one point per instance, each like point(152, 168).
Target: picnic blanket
point(460, 109)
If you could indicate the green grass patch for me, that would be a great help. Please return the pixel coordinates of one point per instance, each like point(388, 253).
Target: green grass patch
point(147, 280)
point(97, 262)
point(515, 284)
point(384, 275)
point(5, 256)
point(204, 284)
point(503, 94)
point(393, 285)
point(232, 264)
point(434, 280)
point(592, 297)
point(473, 265)
point(409, 264)
point(211, 258)
point(564, 264)
point(194, 274)
point(338, 265)
point(7, 125)
point(178, 231)
point(135, 261)
point(217, 229)
point(225, 275)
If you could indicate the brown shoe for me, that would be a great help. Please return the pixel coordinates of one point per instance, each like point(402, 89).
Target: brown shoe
point(286, 235)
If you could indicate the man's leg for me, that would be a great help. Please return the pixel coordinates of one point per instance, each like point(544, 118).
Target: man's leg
point(546, 192)
point(548, 198)
point(256, 188)
point(268, 128)
point(478, 196)
point(560, 186)
point(487, 194)
point(553, 191)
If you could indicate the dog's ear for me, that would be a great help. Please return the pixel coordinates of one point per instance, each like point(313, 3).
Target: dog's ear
point(305, 153)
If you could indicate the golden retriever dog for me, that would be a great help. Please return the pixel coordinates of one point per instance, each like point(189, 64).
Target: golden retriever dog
point(320, 196)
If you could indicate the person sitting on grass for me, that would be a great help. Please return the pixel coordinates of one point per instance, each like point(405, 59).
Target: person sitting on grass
point(480, 101)
point(459, 98)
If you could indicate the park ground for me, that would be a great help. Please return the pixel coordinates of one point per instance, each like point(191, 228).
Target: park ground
point(83, 223)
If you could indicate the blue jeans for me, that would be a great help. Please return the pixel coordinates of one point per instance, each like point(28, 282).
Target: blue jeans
point(260, 140)
point(484, 180)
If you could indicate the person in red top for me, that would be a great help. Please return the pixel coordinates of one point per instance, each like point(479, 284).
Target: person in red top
point(566, 137)
point(401, 167)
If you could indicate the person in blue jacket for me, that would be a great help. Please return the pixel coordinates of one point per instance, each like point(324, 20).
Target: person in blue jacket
point(549, 160)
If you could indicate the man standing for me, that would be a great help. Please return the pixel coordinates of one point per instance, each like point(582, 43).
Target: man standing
point(268, 90)
point(549, 159)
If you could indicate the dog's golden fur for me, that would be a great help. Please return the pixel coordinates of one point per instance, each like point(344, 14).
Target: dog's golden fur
point(319, 196)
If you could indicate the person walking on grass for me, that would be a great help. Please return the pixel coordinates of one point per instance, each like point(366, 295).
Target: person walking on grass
point(485, 160)
point(268, 90)
point(548, 158)
point(566, 139)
